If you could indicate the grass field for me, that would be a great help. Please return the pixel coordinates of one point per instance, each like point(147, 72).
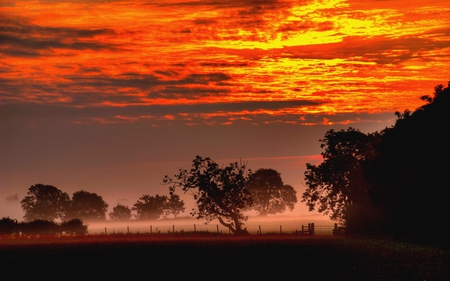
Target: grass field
point(215, 257)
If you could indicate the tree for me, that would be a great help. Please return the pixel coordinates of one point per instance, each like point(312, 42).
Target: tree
point(174, 205)
point(337, 185)
point(44, 202)
point(120, 213)
point(87, 206)
point(269, 194)
point(219, 193)
point(408, 174)
point(150, 207)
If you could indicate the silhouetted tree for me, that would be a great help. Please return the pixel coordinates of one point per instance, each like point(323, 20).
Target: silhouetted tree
point(408, 175)
point(150, 207)
point(269, 194)
point(39, 227)
point(337, 186)
point(174, 205)
point(44, 202)
point(8, 226)
point(74, 226)
point(219, 193)
point(120, 213)
point(87, 206)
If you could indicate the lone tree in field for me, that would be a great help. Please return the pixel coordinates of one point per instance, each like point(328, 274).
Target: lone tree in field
point(219, 192)
point(120, 213)
point(269, 194)
point(45, 202)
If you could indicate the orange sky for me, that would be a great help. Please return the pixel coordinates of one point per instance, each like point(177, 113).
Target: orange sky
point(78, 65)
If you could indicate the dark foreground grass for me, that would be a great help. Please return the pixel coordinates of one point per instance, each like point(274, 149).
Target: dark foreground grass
point(221, 257)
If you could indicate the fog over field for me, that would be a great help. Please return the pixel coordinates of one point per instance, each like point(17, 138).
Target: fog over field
point(289, 224)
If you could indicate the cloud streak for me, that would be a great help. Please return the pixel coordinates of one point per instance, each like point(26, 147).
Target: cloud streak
point(260, 60)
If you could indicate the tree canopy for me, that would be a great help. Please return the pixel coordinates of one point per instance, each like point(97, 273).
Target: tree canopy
point(120, 213)
point(219, 192)
point(87, 206)
point(338, 182)
point(269, 194)
point(174, 205)
point(45, 202)
point(150, 207)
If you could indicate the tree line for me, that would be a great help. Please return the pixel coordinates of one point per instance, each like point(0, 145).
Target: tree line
point(10, 226)
point(229, 192)
point(392, 182)
point(47, 202)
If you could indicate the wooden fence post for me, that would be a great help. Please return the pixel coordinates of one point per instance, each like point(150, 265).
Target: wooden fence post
point(281, 230)
point(151, 229)
point(217, 228)
point(173, 228)
point(105, 230)
point(195, 229)
point(260, 230)
point(128, 229)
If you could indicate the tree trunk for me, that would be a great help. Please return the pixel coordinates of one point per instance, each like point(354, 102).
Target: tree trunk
point(236, 230)
point(239, 230)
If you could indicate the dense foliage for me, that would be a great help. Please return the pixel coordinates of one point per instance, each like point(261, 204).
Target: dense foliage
point(45, 202)
point(41, 227)
point(153, 207)
point(87, 206)
point(389, 182)
point(269, 194)
point(120, 213)
point(408, 173)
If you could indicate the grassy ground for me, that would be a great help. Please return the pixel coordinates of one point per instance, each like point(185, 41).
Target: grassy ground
point(217, 257)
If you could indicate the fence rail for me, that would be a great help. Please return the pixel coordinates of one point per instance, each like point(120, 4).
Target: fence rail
point(211, 228)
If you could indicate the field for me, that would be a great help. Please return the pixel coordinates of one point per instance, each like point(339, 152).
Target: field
point(208, 256)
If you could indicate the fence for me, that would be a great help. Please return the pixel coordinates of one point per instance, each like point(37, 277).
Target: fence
point(214, 228)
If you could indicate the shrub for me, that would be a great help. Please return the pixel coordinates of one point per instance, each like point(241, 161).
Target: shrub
point(74, 226)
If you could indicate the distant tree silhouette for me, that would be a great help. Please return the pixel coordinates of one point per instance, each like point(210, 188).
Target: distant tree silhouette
point(409, 173)
point(219, 193)
point(44, 202)
point(120, 213)
point(74, 226)
point(8, 226)
point(337, 187)
point(87, 206)
point(150, 207)
point(174, 205)
point(269, 194)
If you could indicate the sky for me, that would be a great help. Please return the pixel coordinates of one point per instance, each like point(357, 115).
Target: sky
point(110, 96)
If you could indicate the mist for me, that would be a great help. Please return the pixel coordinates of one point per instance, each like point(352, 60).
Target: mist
point(254, 224)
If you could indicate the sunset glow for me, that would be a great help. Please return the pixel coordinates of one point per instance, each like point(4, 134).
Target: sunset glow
point(258, 79)
point(318, 57)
